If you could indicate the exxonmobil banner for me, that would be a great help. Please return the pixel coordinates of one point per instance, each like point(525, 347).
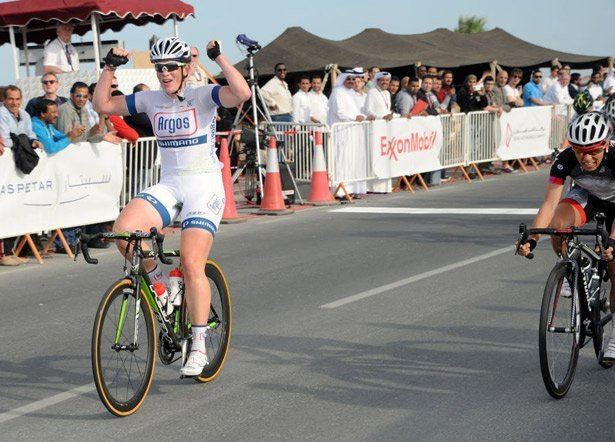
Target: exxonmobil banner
point(77, 186)
point(405, 146)
point(524, 133)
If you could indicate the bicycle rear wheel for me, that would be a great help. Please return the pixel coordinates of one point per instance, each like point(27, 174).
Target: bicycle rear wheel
point(220, 318)
point(558, 338)
point(123, 365)
point(601, 330)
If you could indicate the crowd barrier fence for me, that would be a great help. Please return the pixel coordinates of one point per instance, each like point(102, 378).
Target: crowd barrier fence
point(467, 140)
point(296, 141)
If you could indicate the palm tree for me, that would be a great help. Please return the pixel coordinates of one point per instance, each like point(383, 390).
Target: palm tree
point(471, 25)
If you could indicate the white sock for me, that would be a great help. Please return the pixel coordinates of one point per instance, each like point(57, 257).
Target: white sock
point(157, 275)
point(199, 333)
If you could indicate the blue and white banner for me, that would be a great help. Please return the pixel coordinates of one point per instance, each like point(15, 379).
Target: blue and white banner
point(77, 186)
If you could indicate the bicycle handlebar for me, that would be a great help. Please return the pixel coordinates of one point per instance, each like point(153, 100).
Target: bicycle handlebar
point(156, 237)
point(602, 236)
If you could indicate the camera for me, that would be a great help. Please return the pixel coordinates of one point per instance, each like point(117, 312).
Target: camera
point(251, 46)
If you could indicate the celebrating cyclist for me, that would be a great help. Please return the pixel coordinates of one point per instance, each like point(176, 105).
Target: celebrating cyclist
point(592, 169)
point(183, 119)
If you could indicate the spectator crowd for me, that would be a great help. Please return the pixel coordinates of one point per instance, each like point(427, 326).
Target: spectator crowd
point(369, 94)
point(52, 123)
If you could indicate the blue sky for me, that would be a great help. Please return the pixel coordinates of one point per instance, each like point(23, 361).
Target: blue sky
point(585, 28)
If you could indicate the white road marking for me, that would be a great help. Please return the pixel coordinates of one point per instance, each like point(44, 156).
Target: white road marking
point(437, 211)
point(47, 402)
point(415, 278)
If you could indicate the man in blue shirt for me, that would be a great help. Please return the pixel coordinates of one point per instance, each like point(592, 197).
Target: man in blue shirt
point(53, 140)
point(532, 92)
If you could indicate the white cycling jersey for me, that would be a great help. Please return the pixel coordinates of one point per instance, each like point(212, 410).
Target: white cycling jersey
point(185, 129)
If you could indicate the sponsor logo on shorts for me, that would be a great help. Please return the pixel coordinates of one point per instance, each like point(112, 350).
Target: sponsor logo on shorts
point(215, 204)
point(560, 167)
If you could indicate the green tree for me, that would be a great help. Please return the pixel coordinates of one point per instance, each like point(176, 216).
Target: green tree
point(471, 25)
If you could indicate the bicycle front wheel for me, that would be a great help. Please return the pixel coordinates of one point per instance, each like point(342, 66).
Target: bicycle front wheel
point(123, 349)
point(559, 331)
point(220, 318)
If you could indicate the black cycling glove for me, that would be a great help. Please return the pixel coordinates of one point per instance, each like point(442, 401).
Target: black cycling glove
point(112, 60)
point(214, 52)
point(532, 243)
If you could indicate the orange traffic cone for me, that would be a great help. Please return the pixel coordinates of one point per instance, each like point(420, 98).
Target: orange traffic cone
point(320, 193)
point(273, 201)
point(230, 214)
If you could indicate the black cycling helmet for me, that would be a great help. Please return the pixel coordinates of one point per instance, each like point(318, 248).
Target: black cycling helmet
point(583, 102)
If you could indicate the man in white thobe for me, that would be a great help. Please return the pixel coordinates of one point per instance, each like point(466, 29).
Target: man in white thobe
point(378, 106)
point(350, 154)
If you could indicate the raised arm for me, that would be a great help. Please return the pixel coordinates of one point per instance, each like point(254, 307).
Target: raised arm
point(237, 90)
point(102, 101)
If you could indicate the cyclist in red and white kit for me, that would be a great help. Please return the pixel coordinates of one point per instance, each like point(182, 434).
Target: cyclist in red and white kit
point(184, 122)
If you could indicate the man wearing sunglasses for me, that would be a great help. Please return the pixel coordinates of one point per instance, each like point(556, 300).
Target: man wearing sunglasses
point(592, 170)
point(198, 76)
point(50, 84)
point(183, 119)
point(532, 91)
point(277, 95)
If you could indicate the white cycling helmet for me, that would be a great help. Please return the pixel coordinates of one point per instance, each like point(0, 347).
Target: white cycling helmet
point(609, 109)
point(588, 130)
point(170, 49)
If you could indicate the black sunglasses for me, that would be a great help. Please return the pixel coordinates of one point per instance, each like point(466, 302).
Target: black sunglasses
point(48, 81)
point(281, 70)
point(170, 67)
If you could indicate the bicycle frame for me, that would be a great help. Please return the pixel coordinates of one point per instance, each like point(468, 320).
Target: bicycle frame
point(170, 328)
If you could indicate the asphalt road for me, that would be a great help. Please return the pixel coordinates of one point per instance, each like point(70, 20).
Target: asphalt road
point(347, 326)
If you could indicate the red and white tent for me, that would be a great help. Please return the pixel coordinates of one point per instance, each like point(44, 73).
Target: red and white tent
point(36, 20)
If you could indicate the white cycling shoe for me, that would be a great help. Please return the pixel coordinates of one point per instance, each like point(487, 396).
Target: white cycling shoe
point(609, 354)
point(195, 364)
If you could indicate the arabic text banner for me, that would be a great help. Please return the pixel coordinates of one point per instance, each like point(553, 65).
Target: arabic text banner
point(524, 133)
point(77, 186)
point(406, 146)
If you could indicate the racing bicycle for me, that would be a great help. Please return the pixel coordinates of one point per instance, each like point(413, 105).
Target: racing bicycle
point(124, 341)
point(570, 318)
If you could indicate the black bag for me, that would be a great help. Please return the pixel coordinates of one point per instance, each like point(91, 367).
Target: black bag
point(26, 157)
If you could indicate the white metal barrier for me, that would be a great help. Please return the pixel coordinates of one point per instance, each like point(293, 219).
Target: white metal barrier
point(467, 139)
point(560, 117)
point(141, 166)
point(481, 138)
point(350, 156)
point(453, 140)
point(297, 143)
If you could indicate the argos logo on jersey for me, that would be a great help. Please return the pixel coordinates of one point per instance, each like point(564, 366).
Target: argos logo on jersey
point(182, 123)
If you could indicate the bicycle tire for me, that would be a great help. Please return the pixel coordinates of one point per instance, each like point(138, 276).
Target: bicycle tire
point(219, 290)
point(104, 384)
point(551, 297)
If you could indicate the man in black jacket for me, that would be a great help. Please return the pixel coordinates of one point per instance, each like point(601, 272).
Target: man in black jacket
point(468, 98)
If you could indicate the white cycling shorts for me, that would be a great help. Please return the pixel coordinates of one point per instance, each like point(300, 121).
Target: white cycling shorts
point(200, 196)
